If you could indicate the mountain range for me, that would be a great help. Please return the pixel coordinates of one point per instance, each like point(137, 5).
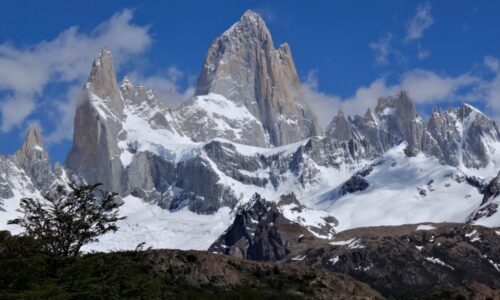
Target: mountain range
point(195, 177)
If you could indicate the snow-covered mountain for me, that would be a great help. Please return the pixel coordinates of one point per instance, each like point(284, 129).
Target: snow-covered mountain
point(185, 174)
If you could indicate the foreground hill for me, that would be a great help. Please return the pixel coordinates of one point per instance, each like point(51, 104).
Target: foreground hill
point(162, 274)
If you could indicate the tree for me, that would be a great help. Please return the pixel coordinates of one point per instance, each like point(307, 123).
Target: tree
point(66, 219)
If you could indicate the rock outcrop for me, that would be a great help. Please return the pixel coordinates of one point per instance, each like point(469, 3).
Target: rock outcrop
point(457, 137)
point(262, 232)
point(243, 66)
point(488, 211)
point(94, 154)
point(34, 160)
point(461, 136)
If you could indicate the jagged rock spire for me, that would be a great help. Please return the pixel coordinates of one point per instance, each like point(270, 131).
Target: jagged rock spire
point(243, 66)
point(102, 78)
point(98, 121)
point(341, 129)
point(34, 160)
point(32, 147)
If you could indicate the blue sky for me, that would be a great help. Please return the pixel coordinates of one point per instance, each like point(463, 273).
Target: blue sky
point(348, 53)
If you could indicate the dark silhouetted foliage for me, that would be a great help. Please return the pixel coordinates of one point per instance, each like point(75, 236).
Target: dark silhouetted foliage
point(66, 219)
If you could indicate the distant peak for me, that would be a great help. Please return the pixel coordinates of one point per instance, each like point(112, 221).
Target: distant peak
point(340, 114)
point(33, 137)
point(102, 78)
point(251, 15)
point(127, 83)
point(32, 147)
point(399, 101)
point(469, 107)
point(103, 59)
point(250, 21)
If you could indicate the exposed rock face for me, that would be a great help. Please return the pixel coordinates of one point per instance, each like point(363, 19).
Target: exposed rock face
point(489, 206)
point(261, 232)
point(242, 65)
point(95, 153)
point(462, 136)
point(342, 129)
point(129, 141)
point(412, 261)
point(34, 160)
point(395, 120)
point(28, 172)
point(213, 115)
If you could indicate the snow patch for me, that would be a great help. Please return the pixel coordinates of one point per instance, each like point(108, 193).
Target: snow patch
point(425, 227)
point(437, 261)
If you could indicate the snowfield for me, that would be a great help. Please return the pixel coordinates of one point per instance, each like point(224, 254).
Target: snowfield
point(406, 190)
point(159, 228)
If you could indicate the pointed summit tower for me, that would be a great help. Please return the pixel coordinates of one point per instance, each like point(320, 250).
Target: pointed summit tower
point(243, 66)
point(98, 121)
point(32, 148)
point(34, 160)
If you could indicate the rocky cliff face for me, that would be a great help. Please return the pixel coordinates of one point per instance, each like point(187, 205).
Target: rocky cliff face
point(34, 160)
point(27, 173)
point(395, 120)
point(98, 123)
point(269, 231)
point(243, 66)
point(488, 213)
point(457, 137)
point(462, 136)
point(129, 141)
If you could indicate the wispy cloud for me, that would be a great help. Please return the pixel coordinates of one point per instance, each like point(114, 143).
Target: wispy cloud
point(422, 53)
point(387, 48)
point(385, 52)
point(419, 23)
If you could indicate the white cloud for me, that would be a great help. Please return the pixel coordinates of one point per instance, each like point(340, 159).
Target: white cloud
point(15, 109)
point(323, 105)
point(419, 23)
point(429, 87)
point(424, 87)
point(26, 71)
point(382, 49)
point(492, 63)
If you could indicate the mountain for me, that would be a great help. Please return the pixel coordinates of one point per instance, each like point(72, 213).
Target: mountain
point(268, 231)
point(27, 173)
point(460, 137)
point(187, 176)
point(95, 153)
point(243, 67)
point(487, 213)
point(129, 141)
